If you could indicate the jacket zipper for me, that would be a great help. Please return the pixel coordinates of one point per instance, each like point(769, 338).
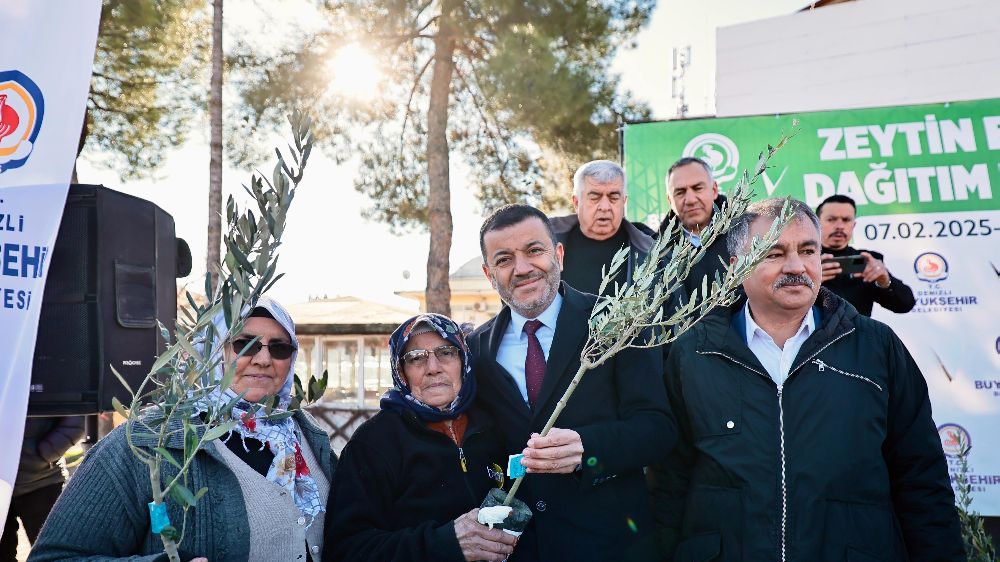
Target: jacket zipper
point(463, 463)
point(461, 452)
point(784, 488)
point(781, 426)
point(823, 365)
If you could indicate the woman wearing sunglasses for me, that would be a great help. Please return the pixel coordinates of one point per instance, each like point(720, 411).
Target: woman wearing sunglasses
point(410, 479)
point(267, 480)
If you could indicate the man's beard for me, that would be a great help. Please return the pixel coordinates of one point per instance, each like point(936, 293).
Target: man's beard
point(532, 308)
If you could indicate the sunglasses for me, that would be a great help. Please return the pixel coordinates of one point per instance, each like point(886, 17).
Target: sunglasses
point(418, 357)
point(277, 349)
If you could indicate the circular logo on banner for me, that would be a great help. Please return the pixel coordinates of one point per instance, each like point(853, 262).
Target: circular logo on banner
point(954, 439)
point(931, 267)
point(21, 110)
point(718, 151)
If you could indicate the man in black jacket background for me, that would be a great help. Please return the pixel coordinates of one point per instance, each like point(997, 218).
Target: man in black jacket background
point(875, 284)
point(805, 427)
point(593, 235)
point(585, 481)
point(693, 194)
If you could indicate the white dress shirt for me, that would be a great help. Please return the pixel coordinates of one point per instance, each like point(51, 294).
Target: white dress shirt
point(694, 239)
point(776, 360)
point(513, 348)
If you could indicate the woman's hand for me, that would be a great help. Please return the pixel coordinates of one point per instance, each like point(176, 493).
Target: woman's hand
point(479, 542)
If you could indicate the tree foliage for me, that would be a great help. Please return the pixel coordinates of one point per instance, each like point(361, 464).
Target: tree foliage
point(519, 89)
point(148, 69)
point(531, 94)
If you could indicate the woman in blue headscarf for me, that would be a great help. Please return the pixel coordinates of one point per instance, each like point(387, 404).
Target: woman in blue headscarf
point(410, 479)
point(267, 480)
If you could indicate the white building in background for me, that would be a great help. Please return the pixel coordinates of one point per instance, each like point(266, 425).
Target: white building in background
point(860, 53)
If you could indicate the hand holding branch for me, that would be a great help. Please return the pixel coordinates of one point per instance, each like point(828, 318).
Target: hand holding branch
point(559, 452)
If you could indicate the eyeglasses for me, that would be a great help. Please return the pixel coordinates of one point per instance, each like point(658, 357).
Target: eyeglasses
point(277, 349)
point(418, 357)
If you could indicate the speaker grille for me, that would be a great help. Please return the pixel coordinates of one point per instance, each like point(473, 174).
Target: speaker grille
point(71, 272)
point(66, 352)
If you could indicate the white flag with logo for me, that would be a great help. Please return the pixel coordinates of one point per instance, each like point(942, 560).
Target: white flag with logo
point(46, 57)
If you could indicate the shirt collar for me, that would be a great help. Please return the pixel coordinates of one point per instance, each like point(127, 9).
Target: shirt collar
point(548, 317)
point(693, 238)
point(807, 327)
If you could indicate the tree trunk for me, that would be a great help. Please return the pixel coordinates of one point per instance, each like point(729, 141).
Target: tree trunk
point(212, 258)
point(438, 291)
point(84, 132)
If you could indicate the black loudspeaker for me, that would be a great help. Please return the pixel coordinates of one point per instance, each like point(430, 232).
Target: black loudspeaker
point(111, 277)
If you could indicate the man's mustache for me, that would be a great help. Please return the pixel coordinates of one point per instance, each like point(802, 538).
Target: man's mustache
point(789, 280)
point(518, 279)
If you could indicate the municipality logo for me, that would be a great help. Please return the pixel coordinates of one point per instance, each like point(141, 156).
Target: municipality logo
point(21, 110)
point(955, 440)
point(718, 151)
point(931, 267)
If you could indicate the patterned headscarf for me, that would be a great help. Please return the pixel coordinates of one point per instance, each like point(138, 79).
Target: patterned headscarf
point(288, 469)
point(400, 397)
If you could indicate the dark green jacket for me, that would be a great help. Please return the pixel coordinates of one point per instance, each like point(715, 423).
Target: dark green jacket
point(102, 513)
point(842, 462)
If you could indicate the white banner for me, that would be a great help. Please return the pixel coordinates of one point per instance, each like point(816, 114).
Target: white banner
point(952, 263)
point(46, 57)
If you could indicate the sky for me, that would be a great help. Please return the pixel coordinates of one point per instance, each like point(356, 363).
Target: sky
point(329, 249)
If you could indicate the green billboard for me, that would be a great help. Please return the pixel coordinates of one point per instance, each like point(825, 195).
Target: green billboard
point(907, 159)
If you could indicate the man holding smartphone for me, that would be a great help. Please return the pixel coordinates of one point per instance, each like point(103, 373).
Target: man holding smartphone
point(859, 277)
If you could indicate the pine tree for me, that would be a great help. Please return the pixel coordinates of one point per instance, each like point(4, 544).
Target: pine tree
point(520, 89)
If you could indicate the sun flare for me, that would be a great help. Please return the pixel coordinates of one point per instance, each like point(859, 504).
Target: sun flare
point(354, 73)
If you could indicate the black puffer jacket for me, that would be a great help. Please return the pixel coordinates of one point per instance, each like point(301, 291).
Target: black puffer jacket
point(399, 487)
point(842, 462)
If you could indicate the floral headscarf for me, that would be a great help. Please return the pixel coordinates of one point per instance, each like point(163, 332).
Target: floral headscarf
point(400, 397)
point(288, 469)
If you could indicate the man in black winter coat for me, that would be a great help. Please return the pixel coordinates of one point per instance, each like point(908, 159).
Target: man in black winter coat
point(874, 284)
point(805, 427)
point(599, 229)
point(693, 195)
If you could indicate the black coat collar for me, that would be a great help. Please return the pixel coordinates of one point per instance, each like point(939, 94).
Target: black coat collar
point(571, 331)
point(717, 335)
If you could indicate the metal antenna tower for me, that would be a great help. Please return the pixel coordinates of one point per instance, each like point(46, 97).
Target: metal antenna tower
point(682, 59)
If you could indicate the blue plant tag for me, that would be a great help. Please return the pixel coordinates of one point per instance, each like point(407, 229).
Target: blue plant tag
point(514, 467)
point(158, 518)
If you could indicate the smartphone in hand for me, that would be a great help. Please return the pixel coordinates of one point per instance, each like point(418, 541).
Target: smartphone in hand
point(849, 265)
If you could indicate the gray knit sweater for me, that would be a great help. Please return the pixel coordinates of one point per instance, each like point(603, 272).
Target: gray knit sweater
point(102, 513)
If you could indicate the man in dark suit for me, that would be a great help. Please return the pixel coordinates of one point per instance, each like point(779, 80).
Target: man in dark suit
point(585, 481)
